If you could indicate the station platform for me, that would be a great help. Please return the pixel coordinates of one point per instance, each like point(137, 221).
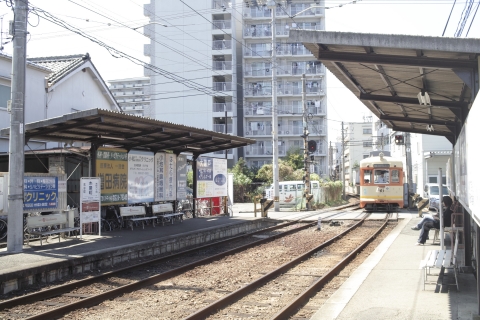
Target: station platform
point(388, 285)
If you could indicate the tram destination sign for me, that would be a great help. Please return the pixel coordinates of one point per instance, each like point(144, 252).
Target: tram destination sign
point(381, 165)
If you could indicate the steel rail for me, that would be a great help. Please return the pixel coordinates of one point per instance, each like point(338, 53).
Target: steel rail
point(303, 298)
point(58, 290)
point(236, 295)
point(111, 294)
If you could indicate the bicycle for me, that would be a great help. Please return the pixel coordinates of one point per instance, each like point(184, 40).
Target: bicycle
point(185, 207)
point(3, 229)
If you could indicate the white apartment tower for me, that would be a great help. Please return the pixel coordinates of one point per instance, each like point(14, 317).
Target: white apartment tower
point(132, 95)
point(224, 47)
point(292, 60)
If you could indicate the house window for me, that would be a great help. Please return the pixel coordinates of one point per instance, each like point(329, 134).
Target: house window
point(367, 130)
point(5, 94)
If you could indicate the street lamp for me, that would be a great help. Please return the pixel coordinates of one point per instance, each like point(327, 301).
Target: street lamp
point(151, 22)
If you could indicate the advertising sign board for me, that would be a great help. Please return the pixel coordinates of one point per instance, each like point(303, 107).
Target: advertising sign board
point(90, 203)
point(112, 169)
point(140, 176)
point(181, 177)
point(40, 193)
point(211, 177)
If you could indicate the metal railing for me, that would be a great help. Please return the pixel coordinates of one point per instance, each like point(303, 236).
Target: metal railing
point(221, 4)
point(258, 150)
point(221, 44)
point(222, 65)
point(220, 128)
point(256, 110)
point(222, 106)
point(260, 130)
point(221, 24)
point(222, 86)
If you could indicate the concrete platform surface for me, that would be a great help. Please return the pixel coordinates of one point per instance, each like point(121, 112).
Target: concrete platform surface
point(389, 285)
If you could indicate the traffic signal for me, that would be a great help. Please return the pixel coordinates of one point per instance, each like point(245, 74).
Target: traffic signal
point(312, 146)
point(399, 139)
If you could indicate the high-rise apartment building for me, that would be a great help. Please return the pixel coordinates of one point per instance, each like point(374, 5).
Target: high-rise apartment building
point(224, 48)
point(132, 95)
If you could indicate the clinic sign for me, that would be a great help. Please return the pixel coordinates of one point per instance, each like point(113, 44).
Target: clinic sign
point(211, 177)
point(112, 169)
point(165, 176)
point(40, 193)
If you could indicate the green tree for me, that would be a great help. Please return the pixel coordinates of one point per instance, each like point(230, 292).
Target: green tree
point(265, 173)
point(295, 158)
point(242, 175)
point(190, 179)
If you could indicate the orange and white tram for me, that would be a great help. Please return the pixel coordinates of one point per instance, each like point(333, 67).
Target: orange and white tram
point(381, 183)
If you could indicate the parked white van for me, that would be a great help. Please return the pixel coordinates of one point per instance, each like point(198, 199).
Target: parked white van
point(291, 192)
point(431, 192)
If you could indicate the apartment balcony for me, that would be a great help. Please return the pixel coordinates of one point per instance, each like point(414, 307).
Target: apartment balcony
point(222, 65)
point(264, 92)
point(222, 107)
point(221, 24)
point(296, 109)
point(221, 4)
point(258, 150)
point(257, 71)
point(258, 129)
point(222, 86)
point(256, 12)
point(257, 110)
point(220, 128)
point(222, 44)
point(287, 130)
point(317, 129)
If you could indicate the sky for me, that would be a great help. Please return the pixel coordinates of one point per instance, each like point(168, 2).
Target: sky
point(112, 21)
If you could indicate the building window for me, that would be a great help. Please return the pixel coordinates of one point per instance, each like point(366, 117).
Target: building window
point(367, 130)
point(5, 94)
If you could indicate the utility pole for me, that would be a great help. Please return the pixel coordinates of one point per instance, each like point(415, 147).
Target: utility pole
point(408, 159)
point(17, 129)
point(343, 161)
point(272, 6)
point(305, 143)
point(330, 161)
point(225, 106)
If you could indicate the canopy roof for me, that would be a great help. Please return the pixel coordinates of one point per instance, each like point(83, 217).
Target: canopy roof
point(388, 72)
point(103, 127)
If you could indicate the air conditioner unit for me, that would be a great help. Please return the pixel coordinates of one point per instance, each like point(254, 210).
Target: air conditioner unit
point(247, 133)
point(248, 152)
point(278, 33)
point(245, 34)
point(287, 132)
point(246, 14)
point(286, 33)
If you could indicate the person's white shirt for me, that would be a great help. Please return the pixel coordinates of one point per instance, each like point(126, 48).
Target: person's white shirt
point(382, 179)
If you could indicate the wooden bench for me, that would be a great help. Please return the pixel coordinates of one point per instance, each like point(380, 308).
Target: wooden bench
point(133, 214)
point(51, 220)
point(440, 259)
point(165, 213)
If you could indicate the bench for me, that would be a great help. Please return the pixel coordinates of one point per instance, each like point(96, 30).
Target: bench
point(134, 214)
point(440, 259)
point(51, 220)
point(165, 213)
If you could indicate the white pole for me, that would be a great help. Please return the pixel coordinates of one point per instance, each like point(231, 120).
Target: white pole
point(440, 207)
point(272, 6)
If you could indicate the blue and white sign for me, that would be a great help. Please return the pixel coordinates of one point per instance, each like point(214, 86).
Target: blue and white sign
point(40, 193)
point(211, 177)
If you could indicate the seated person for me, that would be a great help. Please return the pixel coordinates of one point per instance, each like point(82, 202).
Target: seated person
point(381, 179)
point(435, 222)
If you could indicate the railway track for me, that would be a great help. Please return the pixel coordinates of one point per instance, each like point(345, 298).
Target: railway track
point(57, 301)
point(280, 293)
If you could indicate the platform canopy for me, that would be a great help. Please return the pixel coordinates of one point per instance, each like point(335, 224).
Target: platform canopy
point(413, 84)
point(102, 127)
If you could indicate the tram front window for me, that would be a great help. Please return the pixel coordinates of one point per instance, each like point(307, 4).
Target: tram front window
point(367, 176)
point(381, 176)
